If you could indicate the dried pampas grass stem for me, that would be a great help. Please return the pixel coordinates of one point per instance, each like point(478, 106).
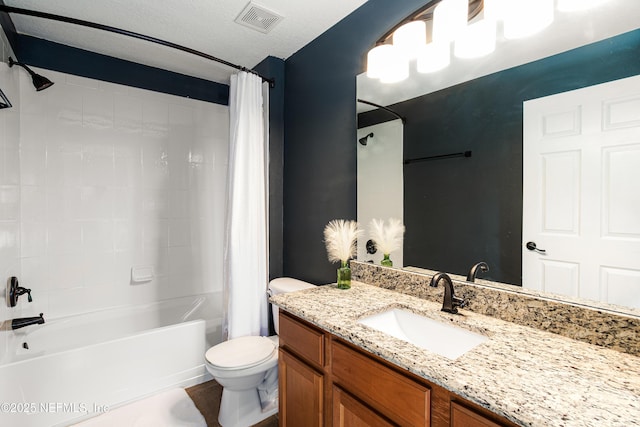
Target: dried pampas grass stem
point(340, 237)
point(388, 237)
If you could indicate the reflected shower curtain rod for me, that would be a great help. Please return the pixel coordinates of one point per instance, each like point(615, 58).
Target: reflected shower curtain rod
point(135, 35)
point(387, 109)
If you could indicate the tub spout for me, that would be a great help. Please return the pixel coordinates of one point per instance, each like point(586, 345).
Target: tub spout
point(26, 321)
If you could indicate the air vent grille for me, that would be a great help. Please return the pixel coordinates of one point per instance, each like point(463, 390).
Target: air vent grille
point(258, 18)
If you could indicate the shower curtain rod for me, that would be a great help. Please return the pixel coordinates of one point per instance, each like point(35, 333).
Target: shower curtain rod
point(387, 109)
point(10, 9)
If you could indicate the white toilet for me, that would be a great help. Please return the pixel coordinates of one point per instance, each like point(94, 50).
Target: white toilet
point(245, 365)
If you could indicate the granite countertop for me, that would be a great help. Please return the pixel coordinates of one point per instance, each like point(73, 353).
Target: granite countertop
point(531, 377)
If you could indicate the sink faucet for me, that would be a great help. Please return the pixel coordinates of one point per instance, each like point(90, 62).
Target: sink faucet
point(26, 321)
point(471, 277)
point(451, 302)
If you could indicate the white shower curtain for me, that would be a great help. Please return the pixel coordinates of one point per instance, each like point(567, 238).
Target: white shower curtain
point(245, 264)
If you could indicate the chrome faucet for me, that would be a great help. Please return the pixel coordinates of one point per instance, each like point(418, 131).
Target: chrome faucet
point(471, 277)
point(451, 302)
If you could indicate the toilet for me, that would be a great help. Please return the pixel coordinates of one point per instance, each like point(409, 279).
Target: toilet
point(247, 368)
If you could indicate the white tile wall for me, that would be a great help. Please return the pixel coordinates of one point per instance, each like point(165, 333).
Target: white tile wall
point(9, 184)
point(105, 178)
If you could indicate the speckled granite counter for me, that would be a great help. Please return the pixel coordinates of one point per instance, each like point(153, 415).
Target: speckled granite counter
point(531, 377)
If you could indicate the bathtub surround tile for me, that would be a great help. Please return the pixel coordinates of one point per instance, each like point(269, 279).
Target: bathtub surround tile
point(9, 202)
point(64, 166)
point(155, 234)
point(178, 203)
point(97, 236)
point(179, 232)
point(62, 203)
point(64, 271)
point(96, 202)
point(33, 164)
point(64, 237)
point(618, 330)
point(81, 82)
point(9, 239)
point(103, 183)
point(127, 235)
point(98, 269)
point(33, 238)
point(98, 169)
point(10, 165)
point(128, 170)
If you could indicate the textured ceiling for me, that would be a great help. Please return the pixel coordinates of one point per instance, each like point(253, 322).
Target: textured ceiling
point(204, 25)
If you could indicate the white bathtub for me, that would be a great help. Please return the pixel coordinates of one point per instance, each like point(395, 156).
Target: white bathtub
point(77, 367)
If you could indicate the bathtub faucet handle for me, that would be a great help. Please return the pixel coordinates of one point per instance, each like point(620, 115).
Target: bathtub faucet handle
point(21, 291)
point(14, 290)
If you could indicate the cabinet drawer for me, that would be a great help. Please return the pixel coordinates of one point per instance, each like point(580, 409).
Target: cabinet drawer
point(464, 417)
point(350, 412)
point(399, 398)
point(306, 341)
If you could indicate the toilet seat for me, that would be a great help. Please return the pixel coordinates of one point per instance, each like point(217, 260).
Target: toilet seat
point(241, 353)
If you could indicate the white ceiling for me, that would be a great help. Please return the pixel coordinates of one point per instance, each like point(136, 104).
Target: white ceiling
point(204, 25)
point(568, 31)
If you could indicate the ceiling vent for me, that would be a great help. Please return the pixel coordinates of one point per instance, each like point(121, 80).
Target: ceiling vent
point(258, 18)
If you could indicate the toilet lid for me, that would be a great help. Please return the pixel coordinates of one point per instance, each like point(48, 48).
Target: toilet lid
point(241, 352)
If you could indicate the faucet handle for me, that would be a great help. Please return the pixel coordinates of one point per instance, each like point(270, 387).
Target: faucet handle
point(460, 302)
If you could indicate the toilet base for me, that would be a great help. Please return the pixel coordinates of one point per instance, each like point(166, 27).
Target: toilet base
point(242, 408)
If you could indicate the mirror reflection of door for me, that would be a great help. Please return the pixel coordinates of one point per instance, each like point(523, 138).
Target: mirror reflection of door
point(581, 201)
point(380, 182)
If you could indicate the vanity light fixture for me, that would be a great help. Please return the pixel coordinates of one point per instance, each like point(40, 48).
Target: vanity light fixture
point(39, 82)
point(468, 28)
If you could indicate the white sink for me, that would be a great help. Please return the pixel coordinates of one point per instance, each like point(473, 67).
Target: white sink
point(444, 339)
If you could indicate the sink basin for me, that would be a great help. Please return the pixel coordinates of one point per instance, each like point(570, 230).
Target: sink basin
point(442, 338)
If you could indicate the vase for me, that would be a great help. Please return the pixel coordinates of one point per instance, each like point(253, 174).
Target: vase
point(386, 261)
point(344, 276)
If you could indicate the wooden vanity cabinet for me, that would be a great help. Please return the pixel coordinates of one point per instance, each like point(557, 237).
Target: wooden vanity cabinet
point(301, 379)
point(326, 381)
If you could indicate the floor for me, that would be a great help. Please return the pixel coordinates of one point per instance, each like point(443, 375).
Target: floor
point(207, 396)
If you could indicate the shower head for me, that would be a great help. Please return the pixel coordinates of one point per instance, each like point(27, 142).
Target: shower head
point(39, 82)
point(363, 140)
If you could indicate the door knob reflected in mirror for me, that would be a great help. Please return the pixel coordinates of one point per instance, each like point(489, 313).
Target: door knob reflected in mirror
point(532, 247)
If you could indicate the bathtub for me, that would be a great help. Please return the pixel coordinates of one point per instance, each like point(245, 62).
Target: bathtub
point(72, 368)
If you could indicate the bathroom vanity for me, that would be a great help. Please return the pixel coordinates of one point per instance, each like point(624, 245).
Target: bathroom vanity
point(336, 371)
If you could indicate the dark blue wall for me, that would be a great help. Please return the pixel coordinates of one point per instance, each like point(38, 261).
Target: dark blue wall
point(54, 56)
point(320, 133)
point(274, 68)
point(484, 115)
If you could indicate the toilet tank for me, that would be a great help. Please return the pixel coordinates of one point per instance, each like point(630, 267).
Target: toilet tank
point(282, 285)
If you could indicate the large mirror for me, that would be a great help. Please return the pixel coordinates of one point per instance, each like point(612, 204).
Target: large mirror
point(462, 179)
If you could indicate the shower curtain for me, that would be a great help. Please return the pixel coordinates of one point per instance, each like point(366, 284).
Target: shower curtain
point(245, 263)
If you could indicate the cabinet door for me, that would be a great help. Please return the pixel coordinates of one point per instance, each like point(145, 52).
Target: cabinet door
point(463, 417)
point(349, 412)
point(397, 397)
point(301, 393)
